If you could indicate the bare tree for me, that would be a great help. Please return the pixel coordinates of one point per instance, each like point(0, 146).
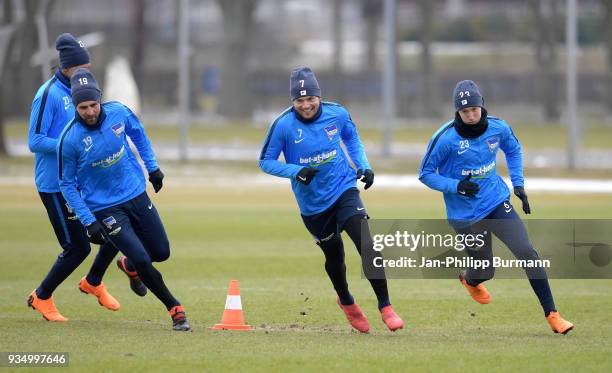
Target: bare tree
point(545, 14)
point(608, 40)
point(20, 78)
point(139, 8)
point(234, 92)
point(371, 11)
point(7, 32)
point(27, 44)
point(428, 104)
point(338, 49)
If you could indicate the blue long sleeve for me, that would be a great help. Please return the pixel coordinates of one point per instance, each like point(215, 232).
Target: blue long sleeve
point(51, 112)
point(435, 156)
point(136, 132)
point(40, 122)
point(274, 144)
point(97, 167)
point(67, 164)
point(514, 157)
point(451, 157)
point(315, 143)
point(354, 146)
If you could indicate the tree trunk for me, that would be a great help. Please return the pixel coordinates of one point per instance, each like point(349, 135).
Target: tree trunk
point(5, 88)
point(9, 34)
point(138, 39)
point(235, 90)
point(546, 12)
point(427, 95)
point(608, 40)
point(372, 15)
point(21, 83)
point(28, 75)
point(338, 50)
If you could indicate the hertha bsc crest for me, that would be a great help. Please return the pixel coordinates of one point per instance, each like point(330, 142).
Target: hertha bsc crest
point(118, 129)
point(109, 222)
point(493, 143)
point(331, 131)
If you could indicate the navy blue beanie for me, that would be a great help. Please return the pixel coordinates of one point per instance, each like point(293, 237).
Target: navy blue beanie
point(303, 83)
point(84, 87)
point(72, 52)
point(467, 94)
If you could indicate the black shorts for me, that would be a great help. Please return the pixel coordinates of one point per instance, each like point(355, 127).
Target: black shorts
point(328, 224)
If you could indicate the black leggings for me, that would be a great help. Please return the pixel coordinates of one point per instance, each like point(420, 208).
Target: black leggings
point(335, 267)
point(505, 223)
point(72, 238)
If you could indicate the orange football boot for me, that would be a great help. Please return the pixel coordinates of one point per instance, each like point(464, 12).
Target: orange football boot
point(479, 293)
point(558, 324)
point(355, 317)
point(46, 307)
point(100, 292)
point(391, 319)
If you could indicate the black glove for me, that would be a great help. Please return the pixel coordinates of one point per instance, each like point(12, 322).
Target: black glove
point(96, 233)
point(519, 191)
point(156, 178)
point(306, 175)
point(368, 177)
point(467, 188)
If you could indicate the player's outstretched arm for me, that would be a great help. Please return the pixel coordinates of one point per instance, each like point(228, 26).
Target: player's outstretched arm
point(136, 132)
point(356, 151)
point(512, 149)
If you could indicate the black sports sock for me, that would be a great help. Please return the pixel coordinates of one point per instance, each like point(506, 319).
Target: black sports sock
point(379, 284)
point(474, 283)
point(155, 282)
point(542, 289)
point(336, 269)
point(103, 259)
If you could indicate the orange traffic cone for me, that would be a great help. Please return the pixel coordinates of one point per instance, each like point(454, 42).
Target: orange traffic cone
point(233, 318)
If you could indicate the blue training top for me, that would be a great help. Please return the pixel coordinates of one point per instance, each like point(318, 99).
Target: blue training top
point(52, 110)
point(316, 145)
point(97, 168)
point(451, 157)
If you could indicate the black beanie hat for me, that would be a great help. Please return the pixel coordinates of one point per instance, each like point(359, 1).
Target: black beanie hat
point(72, 52)
point(467, 94)
point(303, 83)
point(84, 87)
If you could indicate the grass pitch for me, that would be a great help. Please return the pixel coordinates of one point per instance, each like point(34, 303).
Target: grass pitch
point(256, 235)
